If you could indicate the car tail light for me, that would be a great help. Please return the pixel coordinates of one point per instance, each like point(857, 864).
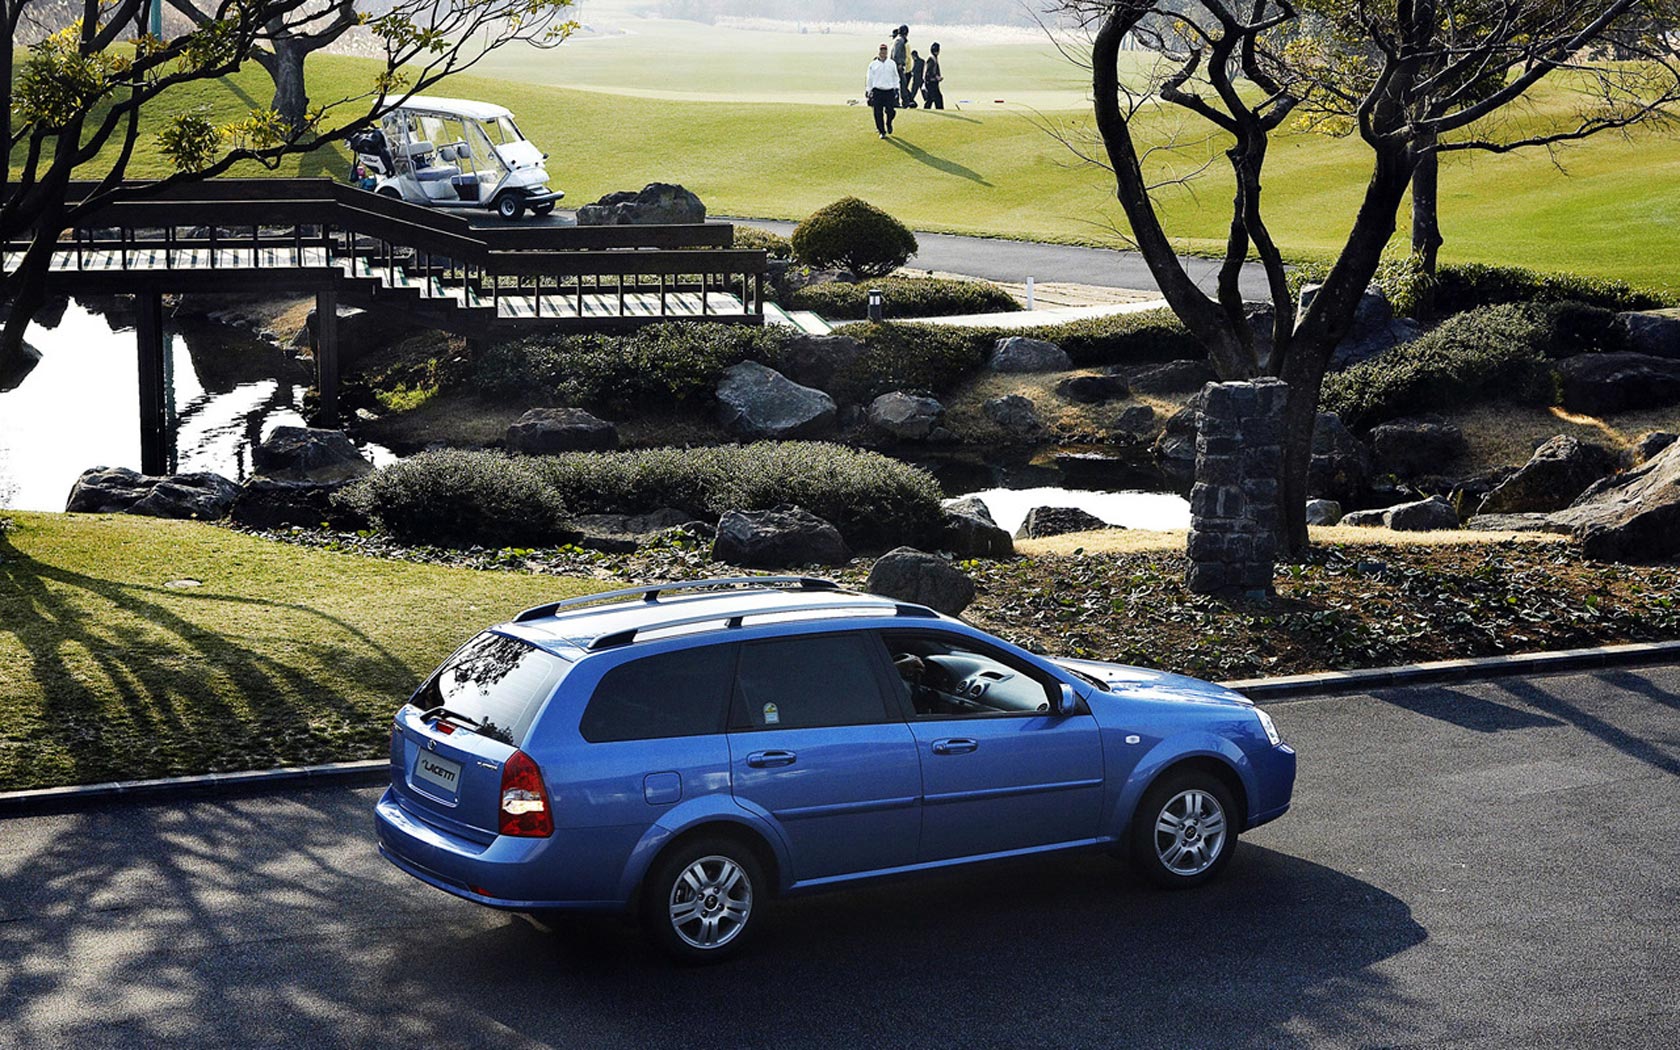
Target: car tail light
point(525, 809)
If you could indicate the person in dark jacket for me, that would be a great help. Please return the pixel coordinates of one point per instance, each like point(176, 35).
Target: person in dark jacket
point(933, 80)
point(916, 66)
point(901, 58)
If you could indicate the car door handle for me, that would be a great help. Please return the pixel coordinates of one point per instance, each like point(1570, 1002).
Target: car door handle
point(955, 746)
point(771, 759)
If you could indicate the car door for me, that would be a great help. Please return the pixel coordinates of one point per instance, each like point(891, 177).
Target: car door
point(1001, 770)
point(816, 745)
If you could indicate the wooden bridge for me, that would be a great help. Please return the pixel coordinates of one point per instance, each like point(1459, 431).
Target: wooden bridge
point(351, 247)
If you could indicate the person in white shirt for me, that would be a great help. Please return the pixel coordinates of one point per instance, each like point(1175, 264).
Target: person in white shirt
point(881, 90)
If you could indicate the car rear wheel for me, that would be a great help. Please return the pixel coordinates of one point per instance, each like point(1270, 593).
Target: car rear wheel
point(702, 900)
point(1184, 830)
point(510, 207)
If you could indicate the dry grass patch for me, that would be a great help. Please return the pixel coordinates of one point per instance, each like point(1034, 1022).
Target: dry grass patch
point(1507, 435)
point(452, 417)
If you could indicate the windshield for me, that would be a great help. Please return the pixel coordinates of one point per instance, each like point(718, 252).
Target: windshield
point(502, 131)
point(494, 685)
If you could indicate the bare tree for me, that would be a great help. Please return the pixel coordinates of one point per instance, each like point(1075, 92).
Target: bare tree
point(79, 93)
point(1412, 79)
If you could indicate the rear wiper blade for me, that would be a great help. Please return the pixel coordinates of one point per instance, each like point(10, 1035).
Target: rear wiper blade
point(441, 712)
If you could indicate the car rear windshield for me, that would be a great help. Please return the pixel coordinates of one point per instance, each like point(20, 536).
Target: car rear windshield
point(495, 684)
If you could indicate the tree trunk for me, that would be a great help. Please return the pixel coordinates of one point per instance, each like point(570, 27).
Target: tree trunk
point(1426, 217)
point(291, 100)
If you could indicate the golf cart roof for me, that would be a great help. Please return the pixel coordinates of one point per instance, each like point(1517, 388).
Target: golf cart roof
point(455, 107)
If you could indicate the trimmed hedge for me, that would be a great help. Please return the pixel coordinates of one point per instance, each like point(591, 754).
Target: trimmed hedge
point(905, 297)
point(875, 501)
point(1465, 287)
point(460, 499)
point(777, 246)
point(1492, 352)
point(854, 234)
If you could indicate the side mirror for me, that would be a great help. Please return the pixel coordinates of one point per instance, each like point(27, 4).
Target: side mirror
point(1068, 703)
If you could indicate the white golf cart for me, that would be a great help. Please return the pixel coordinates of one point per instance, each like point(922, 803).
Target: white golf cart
point(453, 153)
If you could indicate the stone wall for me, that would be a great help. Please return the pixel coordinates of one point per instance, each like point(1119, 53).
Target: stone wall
point(1234, 505)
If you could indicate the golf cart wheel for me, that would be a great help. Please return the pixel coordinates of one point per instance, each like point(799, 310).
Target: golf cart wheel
point(510, 207)
point(542, 209)
point(389, 193)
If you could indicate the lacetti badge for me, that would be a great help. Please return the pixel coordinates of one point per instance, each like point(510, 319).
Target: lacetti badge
point(438, 771)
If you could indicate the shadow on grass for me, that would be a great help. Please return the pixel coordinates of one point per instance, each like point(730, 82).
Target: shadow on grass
point(949, 167)
point(118, 702)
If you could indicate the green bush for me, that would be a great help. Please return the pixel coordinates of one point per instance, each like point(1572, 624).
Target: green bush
point(1493, 352)
point(460, 499)
point(854, 234)
point(905, 297)
point(657, 367)
point(873, 500)
point(1465, 287)
point(777, 246)
point(1150, 337)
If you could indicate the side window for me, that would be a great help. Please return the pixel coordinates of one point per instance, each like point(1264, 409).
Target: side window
point(818, 680)
point(944, 676)
point(682, 693)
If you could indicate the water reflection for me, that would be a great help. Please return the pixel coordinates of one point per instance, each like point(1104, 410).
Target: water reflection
point(1122, 485)
point(79, 408)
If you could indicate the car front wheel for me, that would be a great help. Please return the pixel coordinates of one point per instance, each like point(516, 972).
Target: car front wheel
point(1184, 830)
point(702, 900)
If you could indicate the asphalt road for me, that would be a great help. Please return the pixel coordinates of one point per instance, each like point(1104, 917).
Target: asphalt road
point(1484, 866)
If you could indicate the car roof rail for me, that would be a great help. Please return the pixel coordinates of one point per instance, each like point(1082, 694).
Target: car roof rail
point(651, 592)
point(734, 620)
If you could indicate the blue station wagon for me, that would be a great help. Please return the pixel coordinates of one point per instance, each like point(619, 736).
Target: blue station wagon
point(691, 750)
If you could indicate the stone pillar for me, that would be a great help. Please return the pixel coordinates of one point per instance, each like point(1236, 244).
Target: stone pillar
point(1234, 505)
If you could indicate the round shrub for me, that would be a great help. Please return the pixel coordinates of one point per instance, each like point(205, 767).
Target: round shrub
point(856, 235)
point(905, 297)
point(460, 499)
point(774, 244)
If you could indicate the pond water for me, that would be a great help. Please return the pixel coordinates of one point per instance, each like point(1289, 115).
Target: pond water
point(80, 406)
point(1133, 510)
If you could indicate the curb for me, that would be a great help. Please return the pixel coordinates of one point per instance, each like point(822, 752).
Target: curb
point(1292, 687)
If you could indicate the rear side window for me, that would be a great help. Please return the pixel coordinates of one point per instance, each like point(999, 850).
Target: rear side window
point(495, 682)
point(798, 683)
point(671, 694)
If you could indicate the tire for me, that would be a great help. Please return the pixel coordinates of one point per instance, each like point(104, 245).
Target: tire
point(510, 207)
point(389, 193)
point(1174, 841)
point(709, 890)
point(542, 209)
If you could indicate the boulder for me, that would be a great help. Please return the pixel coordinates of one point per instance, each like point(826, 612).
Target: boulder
point(1367, 518)
point(1362, 344)
point(1134, 419)
point(14, 370)
point(656, 204)
point(1175, 448)
point(1514, 523)
point(1340, 467)
point(108, 490)
point(782, 538)
point(1650, 443)
point(1323, 512)
point(309, 454)
point(202, 495)
point(545, 431)
point(759, 402)
point(823, 362)
point(1410, 447)
point(1426, 515)
point(1017, 353)
point(358, 331)
point(1015, 414)
point(623, 533)
point(971, 532)
point(1058, 521)
point(272, 503)
point(926, 579)
point(1093, 390)
point(1634, 518)
point(1655, 334)
point(1560, 470)
point(1174, 377)
point(905, 416)
point(1604, 383)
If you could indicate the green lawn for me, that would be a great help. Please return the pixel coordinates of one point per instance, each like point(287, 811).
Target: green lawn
point(281, 655)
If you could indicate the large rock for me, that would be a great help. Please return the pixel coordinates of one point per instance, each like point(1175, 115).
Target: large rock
point(1426, 515)
point(358, 331)
point(971, 532)
point(1015, 414)
point(1017, 353)
point(273, 503)
point(1340, 467)
point(759, 402)
point(823, 362)
point(545, 431)
point(1174, 377)
point(202, 495)
point(656, 204)
point(1654, 334)
point(1058, 521)
point(1134, 420)
point(1093, 390)
point(1647, 445)
point(1514, 523)
point(926, 579)
point(1636, 517)
point(1375, 329)
point(108, 490)
point(1604, 383)
point(905, 416)
point(309, 454)
point(1410, 447)
point(1175, 448)
point(778, 539)
point(1323, 512)
point(14, 370)
point(1560, 470)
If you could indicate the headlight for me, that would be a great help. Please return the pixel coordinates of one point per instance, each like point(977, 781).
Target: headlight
point(1271, 730)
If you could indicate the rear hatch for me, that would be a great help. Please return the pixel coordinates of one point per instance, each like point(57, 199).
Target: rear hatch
point(449, 743)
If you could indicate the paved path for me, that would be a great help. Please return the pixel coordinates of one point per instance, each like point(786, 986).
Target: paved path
point(1489, 866)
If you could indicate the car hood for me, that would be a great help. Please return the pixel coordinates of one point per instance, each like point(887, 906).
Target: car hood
point(1155, 685)
point(520, 154)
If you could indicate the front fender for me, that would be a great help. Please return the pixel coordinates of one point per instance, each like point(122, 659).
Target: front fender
point(688, 815)
point(1167, 753)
